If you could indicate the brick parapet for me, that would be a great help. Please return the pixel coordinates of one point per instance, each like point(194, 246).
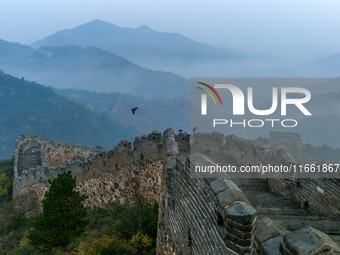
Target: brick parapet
point(199, 215)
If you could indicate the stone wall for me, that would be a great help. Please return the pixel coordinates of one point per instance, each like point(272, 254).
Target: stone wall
point(227, 149)
point(27, 149)
point(277, 139)
point(54, 158)
point(97, 171)
point(196, 215)
point(202, 216)
point(54, 153)
point(320, 195)
point(119, 187)
point(116, 186)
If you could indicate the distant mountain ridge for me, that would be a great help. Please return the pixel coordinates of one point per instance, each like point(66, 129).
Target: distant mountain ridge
point(94, 69)
point(328, 66)
point(13, 51)
point(319, 88)
point(171, 52)
point(127, 42)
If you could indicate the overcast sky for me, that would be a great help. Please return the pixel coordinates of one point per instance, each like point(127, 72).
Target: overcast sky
point(301, 30)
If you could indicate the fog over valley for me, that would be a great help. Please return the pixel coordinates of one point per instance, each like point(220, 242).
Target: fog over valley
point(110, 64)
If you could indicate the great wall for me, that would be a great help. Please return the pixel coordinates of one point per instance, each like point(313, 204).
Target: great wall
point(283, 214)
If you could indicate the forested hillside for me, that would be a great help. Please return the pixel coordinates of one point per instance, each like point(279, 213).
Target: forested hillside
point(152, 114)
point(27, 107)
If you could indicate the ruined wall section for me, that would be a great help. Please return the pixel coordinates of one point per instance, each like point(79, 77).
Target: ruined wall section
point(54, 153)
point(40, 174)
point(27, 152)
point(53, 158)
point(115, 187)
point(119, 165)
point(119, 187)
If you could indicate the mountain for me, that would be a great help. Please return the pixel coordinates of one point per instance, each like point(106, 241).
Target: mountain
point(27, 107)
point(13, 52)
point(245, 54)
point(141, 44)
point(143, 55)
point(324, 104)
point(326, 67)
point(94, 69)
point(322, 87)
point(171, 52)
point(320, 128)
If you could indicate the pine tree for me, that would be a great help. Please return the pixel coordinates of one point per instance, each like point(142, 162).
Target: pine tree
point(63, 214)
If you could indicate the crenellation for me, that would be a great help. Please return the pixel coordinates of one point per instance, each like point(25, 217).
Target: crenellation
point(183, 141)
point(125, 144)
point(155, 137)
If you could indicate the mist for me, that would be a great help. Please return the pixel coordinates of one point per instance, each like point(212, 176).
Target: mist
point(255, 39)
point(294, 31)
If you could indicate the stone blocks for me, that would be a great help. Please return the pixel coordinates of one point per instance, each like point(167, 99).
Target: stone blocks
point(308, 241)
point(269, 235)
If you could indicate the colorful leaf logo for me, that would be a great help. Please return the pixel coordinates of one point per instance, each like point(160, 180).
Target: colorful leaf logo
point(208, 92)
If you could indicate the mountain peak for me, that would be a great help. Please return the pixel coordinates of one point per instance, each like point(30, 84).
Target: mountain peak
point(99, 22)
point(144, 28)
point(141, 44)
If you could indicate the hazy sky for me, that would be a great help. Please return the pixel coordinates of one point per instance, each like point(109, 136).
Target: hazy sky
point(290, 29)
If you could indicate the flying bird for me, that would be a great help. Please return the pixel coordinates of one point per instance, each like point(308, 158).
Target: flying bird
point(134, 109)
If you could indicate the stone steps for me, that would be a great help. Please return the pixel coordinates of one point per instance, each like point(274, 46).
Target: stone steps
point(286, 212)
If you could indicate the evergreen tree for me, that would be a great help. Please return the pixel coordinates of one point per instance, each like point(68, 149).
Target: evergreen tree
point(63, 214)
